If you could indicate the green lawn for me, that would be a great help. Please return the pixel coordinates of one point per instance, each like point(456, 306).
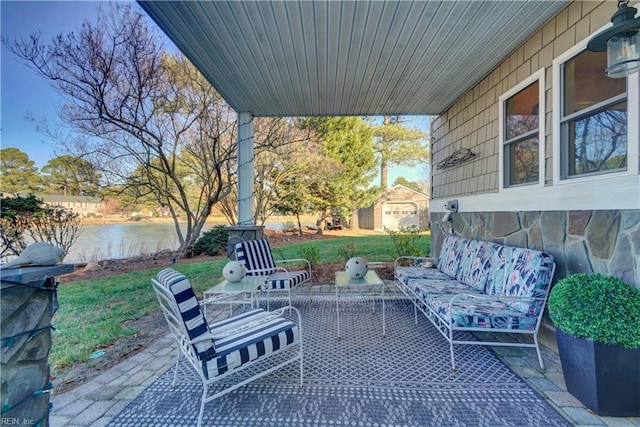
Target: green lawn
point(95, 313)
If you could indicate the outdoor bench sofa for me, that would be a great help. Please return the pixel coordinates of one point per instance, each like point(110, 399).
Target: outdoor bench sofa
point(479, 286)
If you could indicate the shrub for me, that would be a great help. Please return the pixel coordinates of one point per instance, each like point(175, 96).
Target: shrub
point(405, 240)
point(597, 307)
point(347, 251)
point(311, 253)
point(27, 219)
point(212, 242)
point(289, 227)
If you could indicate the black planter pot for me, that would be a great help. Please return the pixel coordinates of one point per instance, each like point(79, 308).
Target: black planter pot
point(605, 378)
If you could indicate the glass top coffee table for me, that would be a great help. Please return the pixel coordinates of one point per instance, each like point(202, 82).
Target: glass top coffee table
point(370, 286)
point(243, 292)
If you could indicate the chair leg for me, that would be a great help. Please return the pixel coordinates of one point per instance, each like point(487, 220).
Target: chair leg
point(175, 369)
point(204, 397)
point(535, 340)
point(453, 362)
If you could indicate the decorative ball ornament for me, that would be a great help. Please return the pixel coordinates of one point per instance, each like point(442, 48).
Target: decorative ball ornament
point(356, 268)
point(234, 271)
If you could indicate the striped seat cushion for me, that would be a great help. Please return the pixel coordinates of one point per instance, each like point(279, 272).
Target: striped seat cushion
point(404, 274)
point(256, 257)
point(190, 313)
point(283, 280)
point(247, 337)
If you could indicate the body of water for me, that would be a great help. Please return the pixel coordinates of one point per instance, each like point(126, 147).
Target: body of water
point(115, 241)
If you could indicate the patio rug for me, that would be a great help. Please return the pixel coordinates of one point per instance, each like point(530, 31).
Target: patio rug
point(363, 379)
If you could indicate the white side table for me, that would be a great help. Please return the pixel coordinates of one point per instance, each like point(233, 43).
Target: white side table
point(370, 280)
point(243, 292)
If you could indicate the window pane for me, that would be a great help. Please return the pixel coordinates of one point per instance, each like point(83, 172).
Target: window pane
point(523, 161)
point(522, 112)
point(598, 142)
point(585, 83)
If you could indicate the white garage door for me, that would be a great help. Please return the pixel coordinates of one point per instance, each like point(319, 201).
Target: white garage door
point(399, 214)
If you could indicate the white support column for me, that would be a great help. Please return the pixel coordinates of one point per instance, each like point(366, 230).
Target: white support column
point(245, 169)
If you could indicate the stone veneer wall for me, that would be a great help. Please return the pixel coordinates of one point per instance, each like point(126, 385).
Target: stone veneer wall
point(27, 304)
point(25, 362)
point(605, 242)
point(240, 233)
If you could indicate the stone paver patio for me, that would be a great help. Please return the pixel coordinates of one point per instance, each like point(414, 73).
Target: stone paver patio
point(99, 400)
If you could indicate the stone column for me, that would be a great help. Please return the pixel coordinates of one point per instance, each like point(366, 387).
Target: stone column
point(28, 301)
point(240, 233)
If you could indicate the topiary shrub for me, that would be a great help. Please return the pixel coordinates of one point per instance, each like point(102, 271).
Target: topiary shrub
point(597, 307)
point(212, 242)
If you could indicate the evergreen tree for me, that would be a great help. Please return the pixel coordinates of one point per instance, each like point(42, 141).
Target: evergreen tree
point(18, 173)
point(409, 184)
point(71, 176)
point(399, 145)
point(341, 184)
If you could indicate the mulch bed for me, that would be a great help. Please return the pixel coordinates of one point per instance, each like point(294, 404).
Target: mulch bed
point(110, 267)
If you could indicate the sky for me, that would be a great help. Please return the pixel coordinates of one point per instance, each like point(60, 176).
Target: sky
point(24, 94)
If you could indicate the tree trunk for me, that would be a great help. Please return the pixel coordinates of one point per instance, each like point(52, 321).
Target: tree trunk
point(383, 174)
point(299, 224)
point(383, 160)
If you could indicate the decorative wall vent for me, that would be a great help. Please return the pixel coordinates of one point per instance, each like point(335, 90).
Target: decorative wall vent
point(459, 156)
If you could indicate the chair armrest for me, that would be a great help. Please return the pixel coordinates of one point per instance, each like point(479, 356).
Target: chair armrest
point(433, 261)
point(288, 308)
point(502, 298)
point(499, 298)
point(285, 261)
point(212, 299)
point(283, 270)
point(234, 329)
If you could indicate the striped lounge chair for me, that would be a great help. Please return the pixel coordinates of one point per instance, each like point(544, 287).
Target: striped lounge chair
point(258, 260)
point(219, 349)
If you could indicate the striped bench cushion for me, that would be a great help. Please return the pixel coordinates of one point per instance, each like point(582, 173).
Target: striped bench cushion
point(190, 313)
point(283, 280)
point(256, 255)
point(248, 337)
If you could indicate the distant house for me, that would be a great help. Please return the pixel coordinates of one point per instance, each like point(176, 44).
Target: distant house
point(396, 208)
point(85, 206)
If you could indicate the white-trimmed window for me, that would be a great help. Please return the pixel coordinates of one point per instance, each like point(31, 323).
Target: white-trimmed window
point(521, 116)
point(595, 119)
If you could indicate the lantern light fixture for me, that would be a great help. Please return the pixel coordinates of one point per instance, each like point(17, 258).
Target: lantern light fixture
point(621, 41)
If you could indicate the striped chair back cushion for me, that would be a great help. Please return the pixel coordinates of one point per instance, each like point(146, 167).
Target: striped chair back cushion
point(165, 275)
point(189, 308)
point(256, 255)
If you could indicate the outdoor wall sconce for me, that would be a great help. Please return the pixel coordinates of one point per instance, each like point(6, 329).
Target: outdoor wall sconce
point(451, 206)
point(621, 41)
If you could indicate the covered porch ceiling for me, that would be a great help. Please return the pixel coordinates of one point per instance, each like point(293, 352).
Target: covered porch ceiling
point(308, 58)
